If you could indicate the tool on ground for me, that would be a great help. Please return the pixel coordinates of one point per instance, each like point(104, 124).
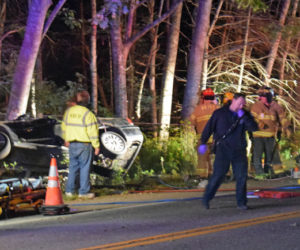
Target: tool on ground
point(19, 194)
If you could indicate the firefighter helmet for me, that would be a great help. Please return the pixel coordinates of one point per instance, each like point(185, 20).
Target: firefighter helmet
point(263, 91)
point(266, 92)
point(208, 94)
point(228, 96)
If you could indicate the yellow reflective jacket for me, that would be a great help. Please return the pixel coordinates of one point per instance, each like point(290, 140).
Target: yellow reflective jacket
point(270, 119)
point(80, 124)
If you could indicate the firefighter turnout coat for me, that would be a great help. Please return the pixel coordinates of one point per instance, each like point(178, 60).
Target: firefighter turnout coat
point(270, 119)
point(80, 124)
point(198, 119)
point(201, 115)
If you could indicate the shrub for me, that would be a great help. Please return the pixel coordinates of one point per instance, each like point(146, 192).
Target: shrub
point(176, 156)
point(290, 147)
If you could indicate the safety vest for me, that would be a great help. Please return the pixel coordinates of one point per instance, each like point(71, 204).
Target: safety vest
point(270, 119)
point(80, 124)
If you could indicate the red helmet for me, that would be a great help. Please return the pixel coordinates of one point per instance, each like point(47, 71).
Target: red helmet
point(208, 94)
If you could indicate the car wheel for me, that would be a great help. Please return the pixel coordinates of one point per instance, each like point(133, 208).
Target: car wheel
point(5, 145)
point(112, 142)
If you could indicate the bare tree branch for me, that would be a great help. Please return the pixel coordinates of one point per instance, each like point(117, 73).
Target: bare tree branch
point(138, 35)
point(53, 15)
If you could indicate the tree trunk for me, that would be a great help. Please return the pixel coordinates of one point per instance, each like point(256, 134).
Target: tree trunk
point(205, 60)
point(27, 58)
point(196, 58)
point(102, 94)
point(273, 52)
point(2, 16)
point(120, 51)
point(151, 67)
point(152, 73)
point(36, 83)
point(131, 69)
point(2, 23)
point(130, 76)
point(141, 88)
point(288, 44)
point(119, 72)
point(111, 80)
point(83, 44)
point(239, 88)
point(169, 72)
point(152, 86)
point(53, 14)
point(93, 63)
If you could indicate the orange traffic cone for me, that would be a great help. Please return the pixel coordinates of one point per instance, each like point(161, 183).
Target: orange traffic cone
point(53, 201)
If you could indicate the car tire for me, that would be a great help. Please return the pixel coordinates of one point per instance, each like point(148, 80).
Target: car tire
point(5, 145)
point(112, 142)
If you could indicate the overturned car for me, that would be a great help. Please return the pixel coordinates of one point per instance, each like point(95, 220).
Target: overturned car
point(30, 143)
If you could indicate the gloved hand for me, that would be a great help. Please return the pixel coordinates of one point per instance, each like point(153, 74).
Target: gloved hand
point(202, 149)
point(240, 113)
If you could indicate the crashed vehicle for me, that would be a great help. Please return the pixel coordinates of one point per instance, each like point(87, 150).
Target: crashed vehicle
point(31, 143)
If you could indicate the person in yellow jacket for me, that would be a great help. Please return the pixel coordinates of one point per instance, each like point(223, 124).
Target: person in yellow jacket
point(271, 119)
point(198, 119)
point(81, 134)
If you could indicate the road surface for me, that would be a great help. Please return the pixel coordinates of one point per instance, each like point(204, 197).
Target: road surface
point(167, 223)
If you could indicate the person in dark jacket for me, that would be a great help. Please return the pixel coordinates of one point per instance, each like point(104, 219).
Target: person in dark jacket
point(228, 126)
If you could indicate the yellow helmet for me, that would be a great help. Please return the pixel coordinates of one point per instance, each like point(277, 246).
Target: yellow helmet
point(228, 96)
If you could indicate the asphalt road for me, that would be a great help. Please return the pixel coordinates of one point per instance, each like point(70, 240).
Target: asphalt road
point(180, 223)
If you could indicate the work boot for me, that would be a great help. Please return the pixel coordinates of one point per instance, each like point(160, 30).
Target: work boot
point(87, 196)
point(205, 204)
point(269, 171)
point(243, 207)
point(202, 184)
point(261, 177)
point(69, 194)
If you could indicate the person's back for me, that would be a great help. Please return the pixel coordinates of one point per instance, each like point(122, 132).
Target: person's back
point(81, 135)
point(203, 110)
point(80, 124)
point(201, 115)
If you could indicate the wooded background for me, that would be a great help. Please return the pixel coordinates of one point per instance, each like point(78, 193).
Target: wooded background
point(145, 60)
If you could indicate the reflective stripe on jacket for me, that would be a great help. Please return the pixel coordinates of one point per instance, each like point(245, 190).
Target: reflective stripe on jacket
point(270, 119)
point(201, 115)
point(80, 124)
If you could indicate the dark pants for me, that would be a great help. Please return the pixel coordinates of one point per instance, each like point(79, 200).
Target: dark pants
point(238, 158)
point(263, 145)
